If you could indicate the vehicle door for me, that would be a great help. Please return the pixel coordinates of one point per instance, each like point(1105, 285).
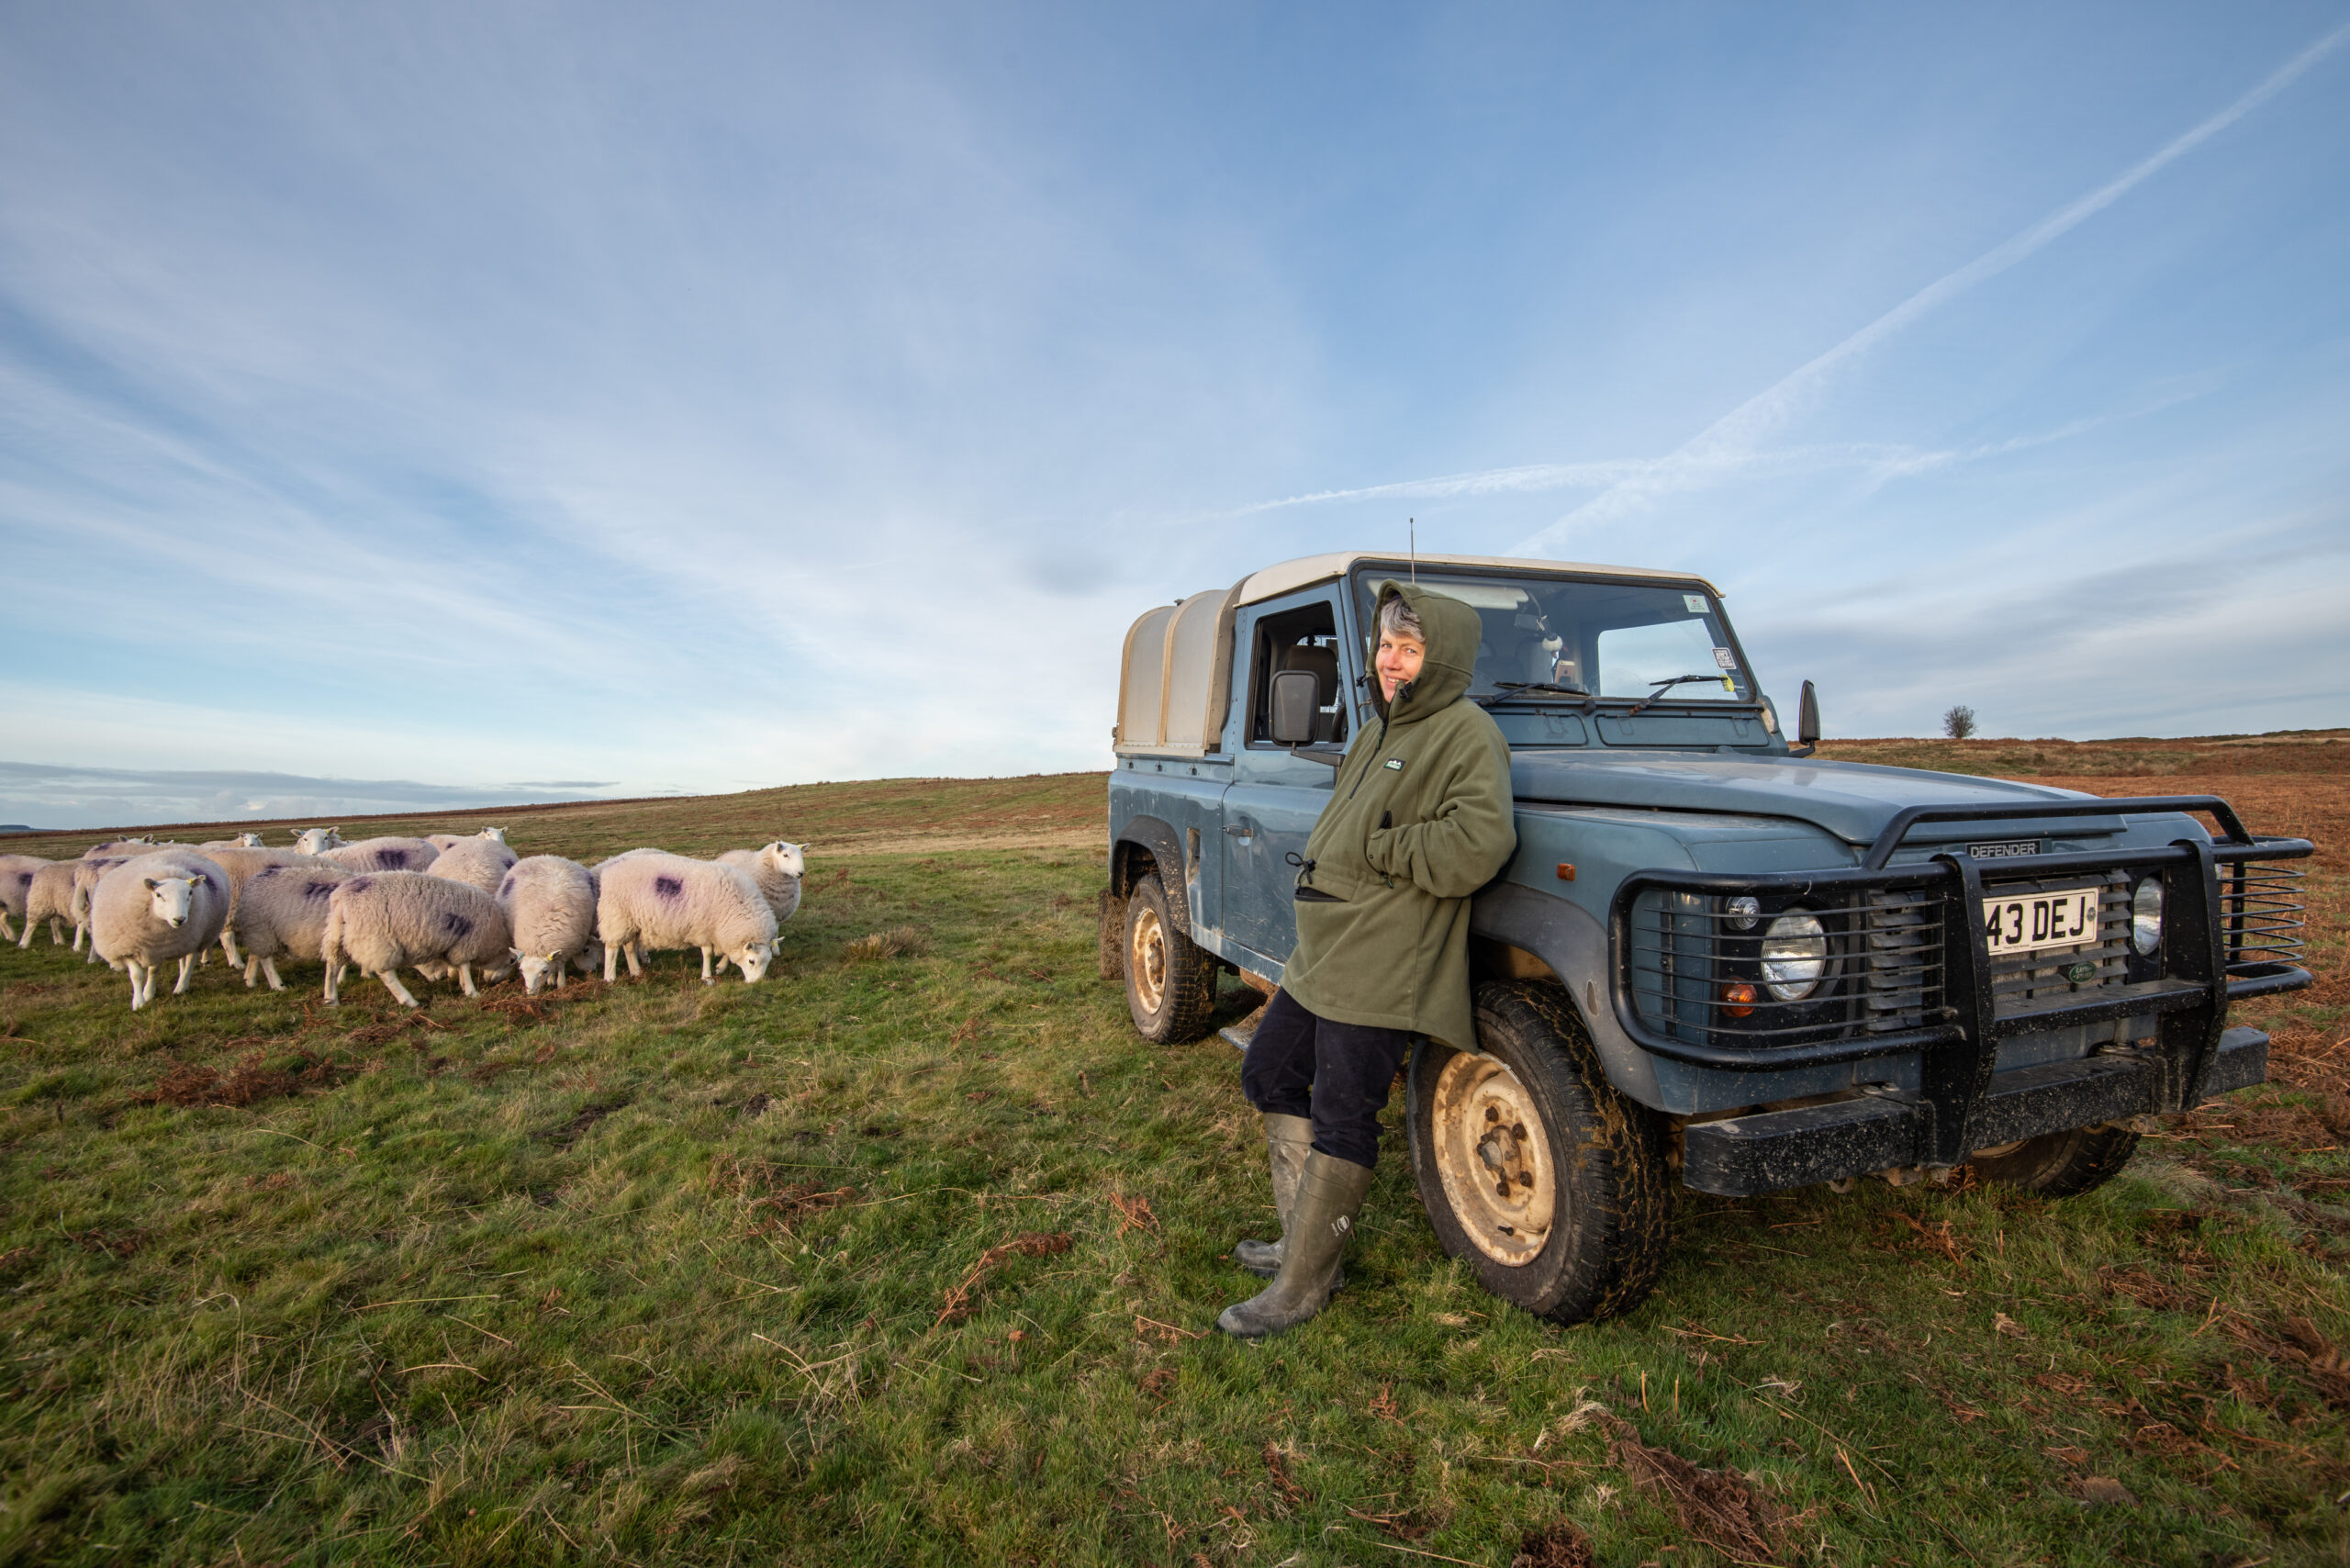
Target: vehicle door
point(1276, 797)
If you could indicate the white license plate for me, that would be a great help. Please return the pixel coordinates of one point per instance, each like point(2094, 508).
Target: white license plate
point(2025, 922)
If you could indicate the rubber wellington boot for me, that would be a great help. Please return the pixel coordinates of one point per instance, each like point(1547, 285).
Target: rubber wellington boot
point(1288, 1140)
point(1329, 1195)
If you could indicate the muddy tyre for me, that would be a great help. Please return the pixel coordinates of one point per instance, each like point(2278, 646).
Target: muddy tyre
point(2059, 1165)
point(1170, 980)
point(1533, 1169)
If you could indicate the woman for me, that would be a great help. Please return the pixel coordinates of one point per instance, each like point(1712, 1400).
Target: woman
point(1419, 819)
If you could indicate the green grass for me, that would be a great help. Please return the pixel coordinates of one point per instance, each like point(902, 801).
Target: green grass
point(663, 1274)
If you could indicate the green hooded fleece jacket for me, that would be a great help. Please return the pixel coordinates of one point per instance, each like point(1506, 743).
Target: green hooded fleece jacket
point(1420, 818)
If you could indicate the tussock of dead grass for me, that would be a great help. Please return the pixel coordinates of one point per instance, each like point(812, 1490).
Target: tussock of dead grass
point(897, 942)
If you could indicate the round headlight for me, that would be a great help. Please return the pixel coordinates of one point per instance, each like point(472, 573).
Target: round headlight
point(1794, 954)
point(2146, 915)
point(1744, 912)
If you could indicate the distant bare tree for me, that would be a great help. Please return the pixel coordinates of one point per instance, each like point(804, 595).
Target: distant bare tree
point(1958, 722)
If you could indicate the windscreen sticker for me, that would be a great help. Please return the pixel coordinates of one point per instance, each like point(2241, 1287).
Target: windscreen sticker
point(1694, 603)
point(1725, 659)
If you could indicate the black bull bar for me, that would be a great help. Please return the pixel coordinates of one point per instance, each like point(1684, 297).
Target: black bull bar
point(2212, 952)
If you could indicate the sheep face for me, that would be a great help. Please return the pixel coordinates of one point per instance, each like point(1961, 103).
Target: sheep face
point(249, 840)
point(787, 859)
point(494, 835)
point(317, 840)
point(536, 969)
point(753, 958)
point(171, 899)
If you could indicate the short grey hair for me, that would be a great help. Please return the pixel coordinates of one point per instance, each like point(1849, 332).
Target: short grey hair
point(1398, 620)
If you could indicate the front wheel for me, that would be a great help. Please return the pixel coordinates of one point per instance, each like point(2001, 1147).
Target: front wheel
point(1533, 1167)
point(2059, 1165)
point(1171, 980)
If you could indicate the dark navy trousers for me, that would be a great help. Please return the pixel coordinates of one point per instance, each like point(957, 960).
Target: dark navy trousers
point(1335, 1074)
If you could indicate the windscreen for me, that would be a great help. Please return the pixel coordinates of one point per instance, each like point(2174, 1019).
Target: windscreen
point(1610, 639)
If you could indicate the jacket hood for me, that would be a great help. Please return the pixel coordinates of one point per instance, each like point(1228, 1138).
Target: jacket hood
point(1453, 633)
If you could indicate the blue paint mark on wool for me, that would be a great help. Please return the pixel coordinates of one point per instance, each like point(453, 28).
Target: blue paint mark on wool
point(456, 925)
point(669, 886)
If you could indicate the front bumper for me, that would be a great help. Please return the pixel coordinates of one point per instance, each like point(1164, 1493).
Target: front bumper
point(1773, 1150)
point(1919, 1013)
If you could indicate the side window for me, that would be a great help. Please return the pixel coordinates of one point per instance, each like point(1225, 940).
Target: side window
point(1306, 638)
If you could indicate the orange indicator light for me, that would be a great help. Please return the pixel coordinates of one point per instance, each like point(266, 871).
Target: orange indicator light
point(1566, 871)
point(1739, 999)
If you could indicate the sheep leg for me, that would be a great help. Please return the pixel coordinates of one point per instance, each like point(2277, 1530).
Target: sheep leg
point(56, 931)
point(559, 966)
point(465, 979)
point(269, 968)
point(26, 939)
point(611, 961)
point(705, 965)
point(391, 978)
point(142, 983)
point(90, 952)
point(7, 934)
point(187, 972)
point(228, 947)
point(80, 933)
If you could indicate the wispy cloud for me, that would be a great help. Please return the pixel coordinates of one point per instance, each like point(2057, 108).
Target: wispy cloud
point(1724, 446)
point(57, 798)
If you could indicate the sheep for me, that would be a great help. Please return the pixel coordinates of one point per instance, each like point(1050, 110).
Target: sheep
point(242, 841)
point(243, 865)
point(442, 840)
point(648, 902)
point(87, 873)
point(16, 887)
point(776, 869)
point(382, 920)
point(50, 896)
point(550, 904)
point(318, 840)
point(121, 848)
point(385, 855)
point(481, 861)
point(152, 908)
point(283, 912)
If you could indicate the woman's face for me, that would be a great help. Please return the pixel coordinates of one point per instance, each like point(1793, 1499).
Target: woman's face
point(1398, 661)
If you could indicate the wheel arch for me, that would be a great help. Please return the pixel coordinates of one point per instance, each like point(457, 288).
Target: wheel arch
point(1518, 934)
point(1145, 844)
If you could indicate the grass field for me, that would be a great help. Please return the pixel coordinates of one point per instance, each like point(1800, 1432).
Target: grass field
point(911, 1254)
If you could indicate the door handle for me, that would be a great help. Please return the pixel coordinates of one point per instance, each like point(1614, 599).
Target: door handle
point(1242, 829)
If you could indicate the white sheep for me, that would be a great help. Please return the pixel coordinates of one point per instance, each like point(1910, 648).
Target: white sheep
point(154, 908)
point(282, 913)
point(481, 861)
point(86, 874)
point(776, 869)
point(550, 906)
point(652, 902)
point(442, 840)
point(318, 840)
point(380, 920)
point(129, 847)
point(243, 865)
point(242, 841)
point(391, 854)
point(48, 896)
point(16, 887)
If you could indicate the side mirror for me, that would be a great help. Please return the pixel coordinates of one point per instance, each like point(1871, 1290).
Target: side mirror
point(1807, 716)
point(1294, 699)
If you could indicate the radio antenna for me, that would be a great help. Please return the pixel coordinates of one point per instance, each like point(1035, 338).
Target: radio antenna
point(1413, 523)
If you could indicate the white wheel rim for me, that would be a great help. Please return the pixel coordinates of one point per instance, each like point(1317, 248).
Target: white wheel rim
point(1146, 958)
point(1493, 1159)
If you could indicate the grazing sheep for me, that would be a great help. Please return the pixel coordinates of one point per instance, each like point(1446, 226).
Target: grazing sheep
point(154, 908)
point(651, 902)
point(776, 869)
point(16, 887)
point(48, 896)
point(443, 840)
point(481, 861)
point(318, 840)
point(128, 846)
point(550, 904)
point(382, 920)
point(386, 855)
point(242, 841)
point(282, 913)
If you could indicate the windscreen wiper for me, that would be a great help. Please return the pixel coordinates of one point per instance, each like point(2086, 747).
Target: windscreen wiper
point(1664, 686)
point(1505, 688)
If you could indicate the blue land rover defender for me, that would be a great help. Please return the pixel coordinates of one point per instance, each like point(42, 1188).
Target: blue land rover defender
point(1714, 959)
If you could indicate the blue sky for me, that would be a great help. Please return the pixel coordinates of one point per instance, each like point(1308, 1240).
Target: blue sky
point(427, 403)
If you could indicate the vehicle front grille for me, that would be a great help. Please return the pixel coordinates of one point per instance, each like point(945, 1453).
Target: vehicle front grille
point(1883, 969)
point(2022, 979)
